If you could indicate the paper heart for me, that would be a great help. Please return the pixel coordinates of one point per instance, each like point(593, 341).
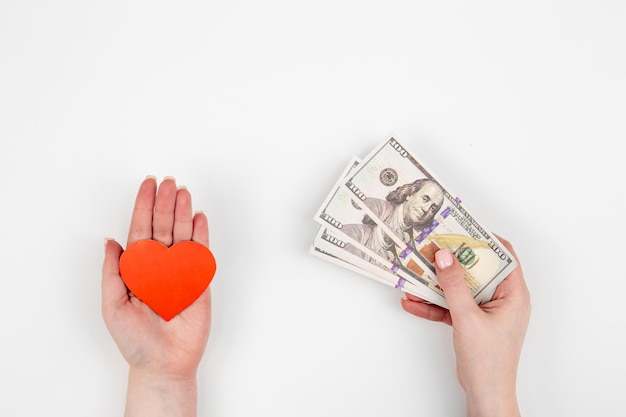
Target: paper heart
point(170, 279)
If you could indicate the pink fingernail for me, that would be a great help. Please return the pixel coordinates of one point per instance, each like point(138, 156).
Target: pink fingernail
point(443, 258)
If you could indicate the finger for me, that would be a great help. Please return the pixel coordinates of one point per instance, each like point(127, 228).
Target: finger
point(200, 229)
point(163, 218)
point(114, 291)
point(141, 221)
point(414, 298)
point(183, 221)
point(452, 279)
point(512, 286)
point(426, 311)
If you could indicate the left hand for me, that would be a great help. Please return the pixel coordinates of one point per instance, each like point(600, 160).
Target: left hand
point(155, 348)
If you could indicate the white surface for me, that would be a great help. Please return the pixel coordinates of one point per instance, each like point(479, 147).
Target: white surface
point(257, 106)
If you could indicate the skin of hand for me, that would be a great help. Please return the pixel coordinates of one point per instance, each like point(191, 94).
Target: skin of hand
point(163, 356)
point(487, 339)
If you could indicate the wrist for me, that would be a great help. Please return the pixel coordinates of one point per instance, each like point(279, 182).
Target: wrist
point(152, 394)
point(494, 404)
point(162, 376)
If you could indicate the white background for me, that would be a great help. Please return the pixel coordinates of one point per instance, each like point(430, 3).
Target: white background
point(256, 107)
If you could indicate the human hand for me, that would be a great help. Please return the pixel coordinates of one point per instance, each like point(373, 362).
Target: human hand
point(163, 355)
point(487, 339)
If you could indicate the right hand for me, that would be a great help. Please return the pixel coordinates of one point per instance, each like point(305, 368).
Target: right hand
point(487, 339)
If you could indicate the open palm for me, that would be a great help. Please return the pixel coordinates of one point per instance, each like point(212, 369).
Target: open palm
point(148, 343)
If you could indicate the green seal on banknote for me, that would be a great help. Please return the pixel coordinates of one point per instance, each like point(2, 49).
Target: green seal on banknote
point(466, 256)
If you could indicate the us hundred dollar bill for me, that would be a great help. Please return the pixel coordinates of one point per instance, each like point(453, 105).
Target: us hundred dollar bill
point(327, 254)
point(412, 215)
point(340, 212)
point(331, 248)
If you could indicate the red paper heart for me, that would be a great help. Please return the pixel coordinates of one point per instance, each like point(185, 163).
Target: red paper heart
point(170, 279)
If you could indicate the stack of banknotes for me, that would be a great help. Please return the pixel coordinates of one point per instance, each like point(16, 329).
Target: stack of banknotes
point(387, 215)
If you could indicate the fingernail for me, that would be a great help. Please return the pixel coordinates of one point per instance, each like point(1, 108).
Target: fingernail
point(443, 258)
point(181, 187)
point(150, 177)
point(106, 240)
point(169, 178)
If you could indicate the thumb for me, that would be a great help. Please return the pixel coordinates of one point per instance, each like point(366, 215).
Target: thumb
point(113, 288)
point(452, 279)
